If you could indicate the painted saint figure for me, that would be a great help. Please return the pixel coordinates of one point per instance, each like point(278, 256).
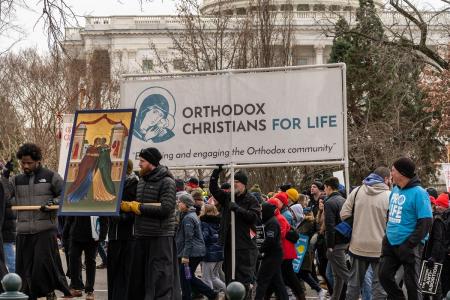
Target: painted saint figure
point(154, 121)
point(80, 187)
point(104, 189)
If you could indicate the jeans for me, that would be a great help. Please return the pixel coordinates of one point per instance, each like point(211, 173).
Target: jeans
point(364, 280)
point(366, 291)
point(337, 260)
point(10, 256)
point(102, 252)
point(211, 275)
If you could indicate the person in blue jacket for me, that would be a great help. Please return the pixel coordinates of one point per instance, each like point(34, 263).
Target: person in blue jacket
point(212, 262)
point(409, 221)
point(190, 249)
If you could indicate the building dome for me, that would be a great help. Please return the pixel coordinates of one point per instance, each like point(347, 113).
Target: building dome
point(241, 7)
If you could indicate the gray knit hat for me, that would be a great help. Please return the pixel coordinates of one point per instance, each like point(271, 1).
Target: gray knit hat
point(187, 200)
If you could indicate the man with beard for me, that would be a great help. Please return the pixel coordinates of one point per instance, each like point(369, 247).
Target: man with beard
point(247, 210)
point(154, 266)
point(37, 259)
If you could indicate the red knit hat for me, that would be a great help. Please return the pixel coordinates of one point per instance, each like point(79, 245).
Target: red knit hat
point(274, 201)
point(284, 197)
point(442, 200)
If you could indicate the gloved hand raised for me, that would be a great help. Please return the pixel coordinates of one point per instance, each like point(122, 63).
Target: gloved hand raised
point(125, 206)
point(233, 206)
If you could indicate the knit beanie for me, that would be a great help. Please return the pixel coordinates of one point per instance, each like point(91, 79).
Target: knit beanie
point(255, 189)
point(241, 177)
point(225, 186)
point(292, 194)
point(405, 166)
point(187, 200)
point(442, 200)
point(319, 184)
point(152, 155)
point(192, 182)
point(283, 197)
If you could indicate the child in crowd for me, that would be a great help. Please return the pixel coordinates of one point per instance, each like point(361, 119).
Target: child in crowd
point(212, 262)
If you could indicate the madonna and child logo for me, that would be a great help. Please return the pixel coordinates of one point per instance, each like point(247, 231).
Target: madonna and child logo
point(155, 118)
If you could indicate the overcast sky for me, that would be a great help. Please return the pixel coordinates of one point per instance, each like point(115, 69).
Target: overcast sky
point(33, 35)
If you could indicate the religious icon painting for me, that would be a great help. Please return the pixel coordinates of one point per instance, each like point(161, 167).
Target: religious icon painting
point(97, 162)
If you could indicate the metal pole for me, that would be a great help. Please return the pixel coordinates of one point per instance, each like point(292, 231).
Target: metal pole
point(233, 227)
point(344, 98)
point(268, 165)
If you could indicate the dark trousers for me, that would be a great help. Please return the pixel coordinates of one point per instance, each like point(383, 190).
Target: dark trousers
point(90, 252)
point(245, 265)
point(290, 279)
point(194, 282)
point(155, 270)
point(39, 265)
point(269, 274)
point(101, 251)
point(307, 277)
point(391, 260)
point(119, 268)
point(445, 276)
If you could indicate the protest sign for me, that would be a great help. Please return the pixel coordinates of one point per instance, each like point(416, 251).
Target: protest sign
point(429, 277)
point(257, 117)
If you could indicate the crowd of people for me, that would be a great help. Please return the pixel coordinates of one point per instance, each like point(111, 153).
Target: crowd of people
point(172, 238)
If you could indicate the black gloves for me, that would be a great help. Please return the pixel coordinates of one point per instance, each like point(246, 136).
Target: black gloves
point(233, 206)
point(430, 262)
point(50, 202)
point(9, 166)
point(220, 167)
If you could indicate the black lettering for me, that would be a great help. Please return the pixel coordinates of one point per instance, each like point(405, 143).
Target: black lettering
point(238, 109)
point(249, 109)
point(262, 125)
point(197, 129)
point(198, 112)
point(219, 127)
point(240, 127)
point(228, 107)
point(185, 128)
point(206, 109)
point(253, 125)
point(260, 107)
point(206, 127)
point(215, 111)
point(189, 110)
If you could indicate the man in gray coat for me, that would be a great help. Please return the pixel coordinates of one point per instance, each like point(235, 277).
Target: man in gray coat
point(367, 205)
point(37, 256)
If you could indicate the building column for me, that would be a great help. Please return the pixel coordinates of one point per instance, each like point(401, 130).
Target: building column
point(319, 53)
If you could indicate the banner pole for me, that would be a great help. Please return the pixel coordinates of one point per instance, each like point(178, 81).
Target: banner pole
point(233, 227)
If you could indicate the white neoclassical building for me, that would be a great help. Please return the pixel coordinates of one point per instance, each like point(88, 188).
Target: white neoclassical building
point(128, 39)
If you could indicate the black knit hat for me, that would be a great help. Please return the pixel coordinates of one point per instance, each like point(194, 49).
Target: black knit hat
point(405, 166)
point(152, 155)
point(241, 177)
point(319, 184)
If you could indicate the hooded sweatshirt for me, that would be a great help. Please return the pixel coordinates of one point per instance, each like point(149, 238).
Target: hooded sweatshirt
point(369, 220)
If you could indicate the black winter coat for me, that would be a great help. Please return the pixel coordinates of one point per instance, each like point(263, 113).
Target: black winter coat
point(435, 247)
point(121, 227)
point(79, 228)
point(247, 215)
point(271, 247)
point(157, 187)
point(210, 230)
point(332, 209)
point(9, 221)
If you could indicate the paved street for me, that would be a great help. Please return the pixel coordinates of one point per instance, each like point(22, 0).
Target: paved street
point(101, 292)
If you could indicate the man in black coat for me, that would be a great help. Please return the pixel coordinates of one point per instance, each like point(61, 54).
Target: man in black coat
point(247, 211)
point(121, 242)
point(80, 232)
point(155, 268)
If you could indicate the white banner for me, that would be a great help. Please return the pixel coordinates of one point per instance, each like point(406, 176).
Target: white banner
point(66, 133)
point(262, 117)
point(446, 172)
